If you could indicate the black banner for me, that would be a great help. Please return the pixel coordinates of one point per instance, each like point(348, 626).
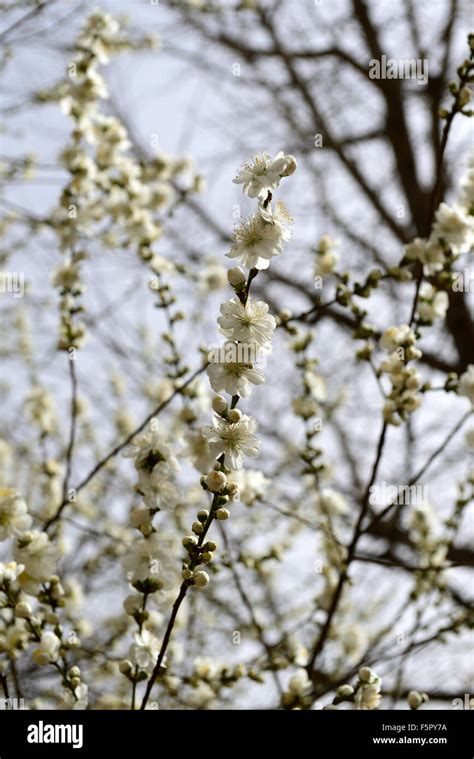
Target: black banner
point(82, 733)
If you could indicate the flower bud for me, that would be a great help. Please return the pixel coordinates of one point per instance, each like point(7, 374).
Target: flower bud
point(222, 514)
point(203, 515)
point(201, 578)
point(219, 405)
point(23, 610)
point(125, 667)
point(344, 691)
point(189, 540)
point(57, 591)
point(366, 675)
point(197, 527)
point(131, 604)
point(414, 699)
point(290, 167)
point(216, 481)
point(240, 670)
point(146, 529)
point(233, 491)
point(236, 277)
point(234, 415)
point(285, 314)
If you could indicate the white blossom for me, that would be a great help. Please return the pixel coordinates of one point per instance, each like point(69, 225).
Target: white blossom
point(263, 173)
point(38, 555)
point(10, 573)
point(151, 447)
point(331, 502)
point(368, 692)
point(429, 252)
point(452, 226)
point(14, 517)
point(158, 492)
point(299, 683)
point(432, 304)
point(368, 696)
point(233, 440)
point(144, 652)
point(257, 241)
point(148, 560)
point(48, 650)
point(234, 378)
point(249, 324)
point(156, 465)
point(396, 337)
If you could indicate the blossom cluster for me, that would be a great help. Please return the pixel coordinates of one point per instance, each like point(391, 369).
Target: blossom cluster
point(31, 596)
point(156, 465)
point(246, 323)
point(404, 397)
point(112, 196)
point(248, 328)
point(217, 451)
point(452, 233)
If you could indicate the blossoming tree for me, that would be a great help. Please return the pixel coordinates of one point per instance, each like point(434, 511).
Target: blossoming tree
point(229, 562)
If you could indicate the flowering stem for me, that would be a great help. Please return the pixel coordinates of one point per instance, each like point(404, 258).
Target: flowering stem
point(72, 433)
point(186, 583)
point(98, 467)
point(435, 196)
point(179, 600)
point(350, 555)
